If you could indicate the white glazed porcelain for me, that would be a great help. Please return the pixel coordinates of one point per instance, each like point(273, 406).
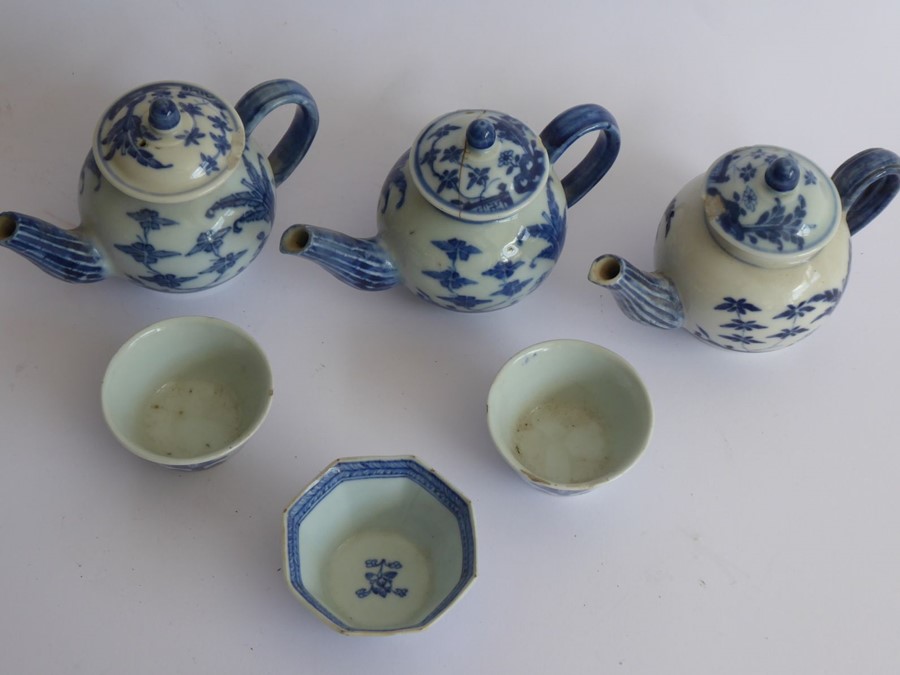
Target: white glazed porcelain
point(378, 546)
point(175, 195)
point(752, 255)
point(569, 415)
point(472, 217)
point(187, 392)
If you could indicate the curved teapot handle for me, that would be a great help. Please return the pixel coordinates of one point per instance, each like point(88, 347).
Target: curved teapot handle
point(263, 99)
point(569, 126)
point(867, 182)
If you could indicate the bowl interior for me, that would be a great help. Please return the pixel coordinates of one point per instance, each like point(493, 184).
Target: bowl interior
point(379, 546)
point(186, 389)
point(569, 413)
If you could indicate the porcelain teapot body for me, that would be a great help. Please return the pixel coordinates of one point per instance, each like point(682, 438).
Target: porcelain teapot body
point(174, 195)
point(464, 265)
point(473, 217)
point(754, 254)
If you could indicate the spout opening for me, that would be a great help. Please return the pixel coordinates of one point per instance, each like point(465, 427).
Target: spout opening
point(295, 240)
point(606, 270)
point(8, 226)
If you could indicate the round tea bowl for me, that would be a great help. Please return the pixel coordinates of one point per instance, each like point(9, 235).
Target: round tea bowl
point(379, 546)
point(568, 415)
point(187, 392)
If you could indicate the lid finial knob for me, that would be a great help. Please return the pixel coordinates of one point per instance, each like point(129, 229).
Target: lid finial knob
point(164, 114)
point(783, 174)
point(480, 134)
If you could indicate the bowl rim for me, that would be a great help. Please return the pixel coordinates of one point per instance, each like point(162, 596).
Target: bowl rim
point(545, 484)
point(213, 457)
point(380, 467)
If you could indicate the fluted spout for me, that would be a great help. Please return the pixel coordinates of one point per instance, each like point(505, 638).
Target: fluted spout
point(361, 263)
point(647, 298)
point(63, 254)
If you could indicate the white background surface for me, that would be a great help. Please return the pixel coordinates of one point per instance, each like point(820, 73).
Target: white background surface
point(759, 532)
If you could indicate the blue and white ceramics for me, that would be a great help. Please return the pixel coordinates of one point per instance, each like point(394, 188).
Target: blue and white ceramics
point(174, 193)
point(569, 416)
point(379, 545)
point(187, 392)
point(754, 254)
point(473, 217)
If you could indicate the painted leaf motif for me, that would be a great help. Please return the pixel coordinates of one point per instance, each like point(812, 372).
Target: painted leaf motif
point(789, 332)
point(449, 180)
point(449, 279)
point(464, 301)
point(191, 137)
point(512, 288)
point(258, 200)
point(552, 230)
point(144, 253)
point(125, 137)
point(738, 306)
point(478, 177)
point(503, 270)
point(223, 264)
point(149, 219)
point(443, 131)
point(741, 325)
point(457, 248)
point(209, 241)
point(742, 339)
point(167, 280)
point(191, 109)
point(452, 154)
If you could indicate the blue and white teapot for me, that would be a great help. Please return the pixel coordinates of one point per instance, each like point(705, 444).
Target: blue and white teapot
point(752, 255)
point(472, 218)
point(174, 195)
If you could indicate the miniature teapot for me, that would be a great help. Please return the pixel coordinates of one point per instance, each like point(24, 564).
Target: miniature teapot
point(472, 218)
point(174, 194)
point(752, 255)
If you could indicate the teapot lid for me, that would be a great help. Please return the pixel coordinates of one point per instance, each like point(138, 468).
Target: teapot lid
point(168, 142)
point(478, 165)
point(769, 206)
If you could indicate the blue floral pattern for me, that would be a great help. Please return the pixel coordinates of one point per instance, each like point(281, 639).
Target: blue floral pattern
point(777, 225)
point(195, 149)
point(258, 205)
point(668, 216)
point(258, 199)
point(461, 181)
point(768, 218)
point(351, 471)
point(91, 167)
point(396, 180)
point(512, 278)
point(145, 253)
point(126, 132)
point(747, 330)
point(381, 581)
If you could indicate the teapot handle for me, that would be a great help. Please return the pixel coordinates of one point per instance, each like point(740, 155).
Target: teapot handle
point(867, 182)
point(263, 99)
point(569, 126)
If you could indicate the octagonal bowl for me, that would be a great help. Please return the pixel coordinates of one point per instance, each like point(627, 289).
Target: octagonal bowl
point(379, 546)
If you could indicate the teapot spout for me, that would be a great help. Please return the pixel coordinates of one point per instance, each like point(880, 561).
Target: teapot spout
point(64, 254)
point(646, 298)
point(361, 263)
